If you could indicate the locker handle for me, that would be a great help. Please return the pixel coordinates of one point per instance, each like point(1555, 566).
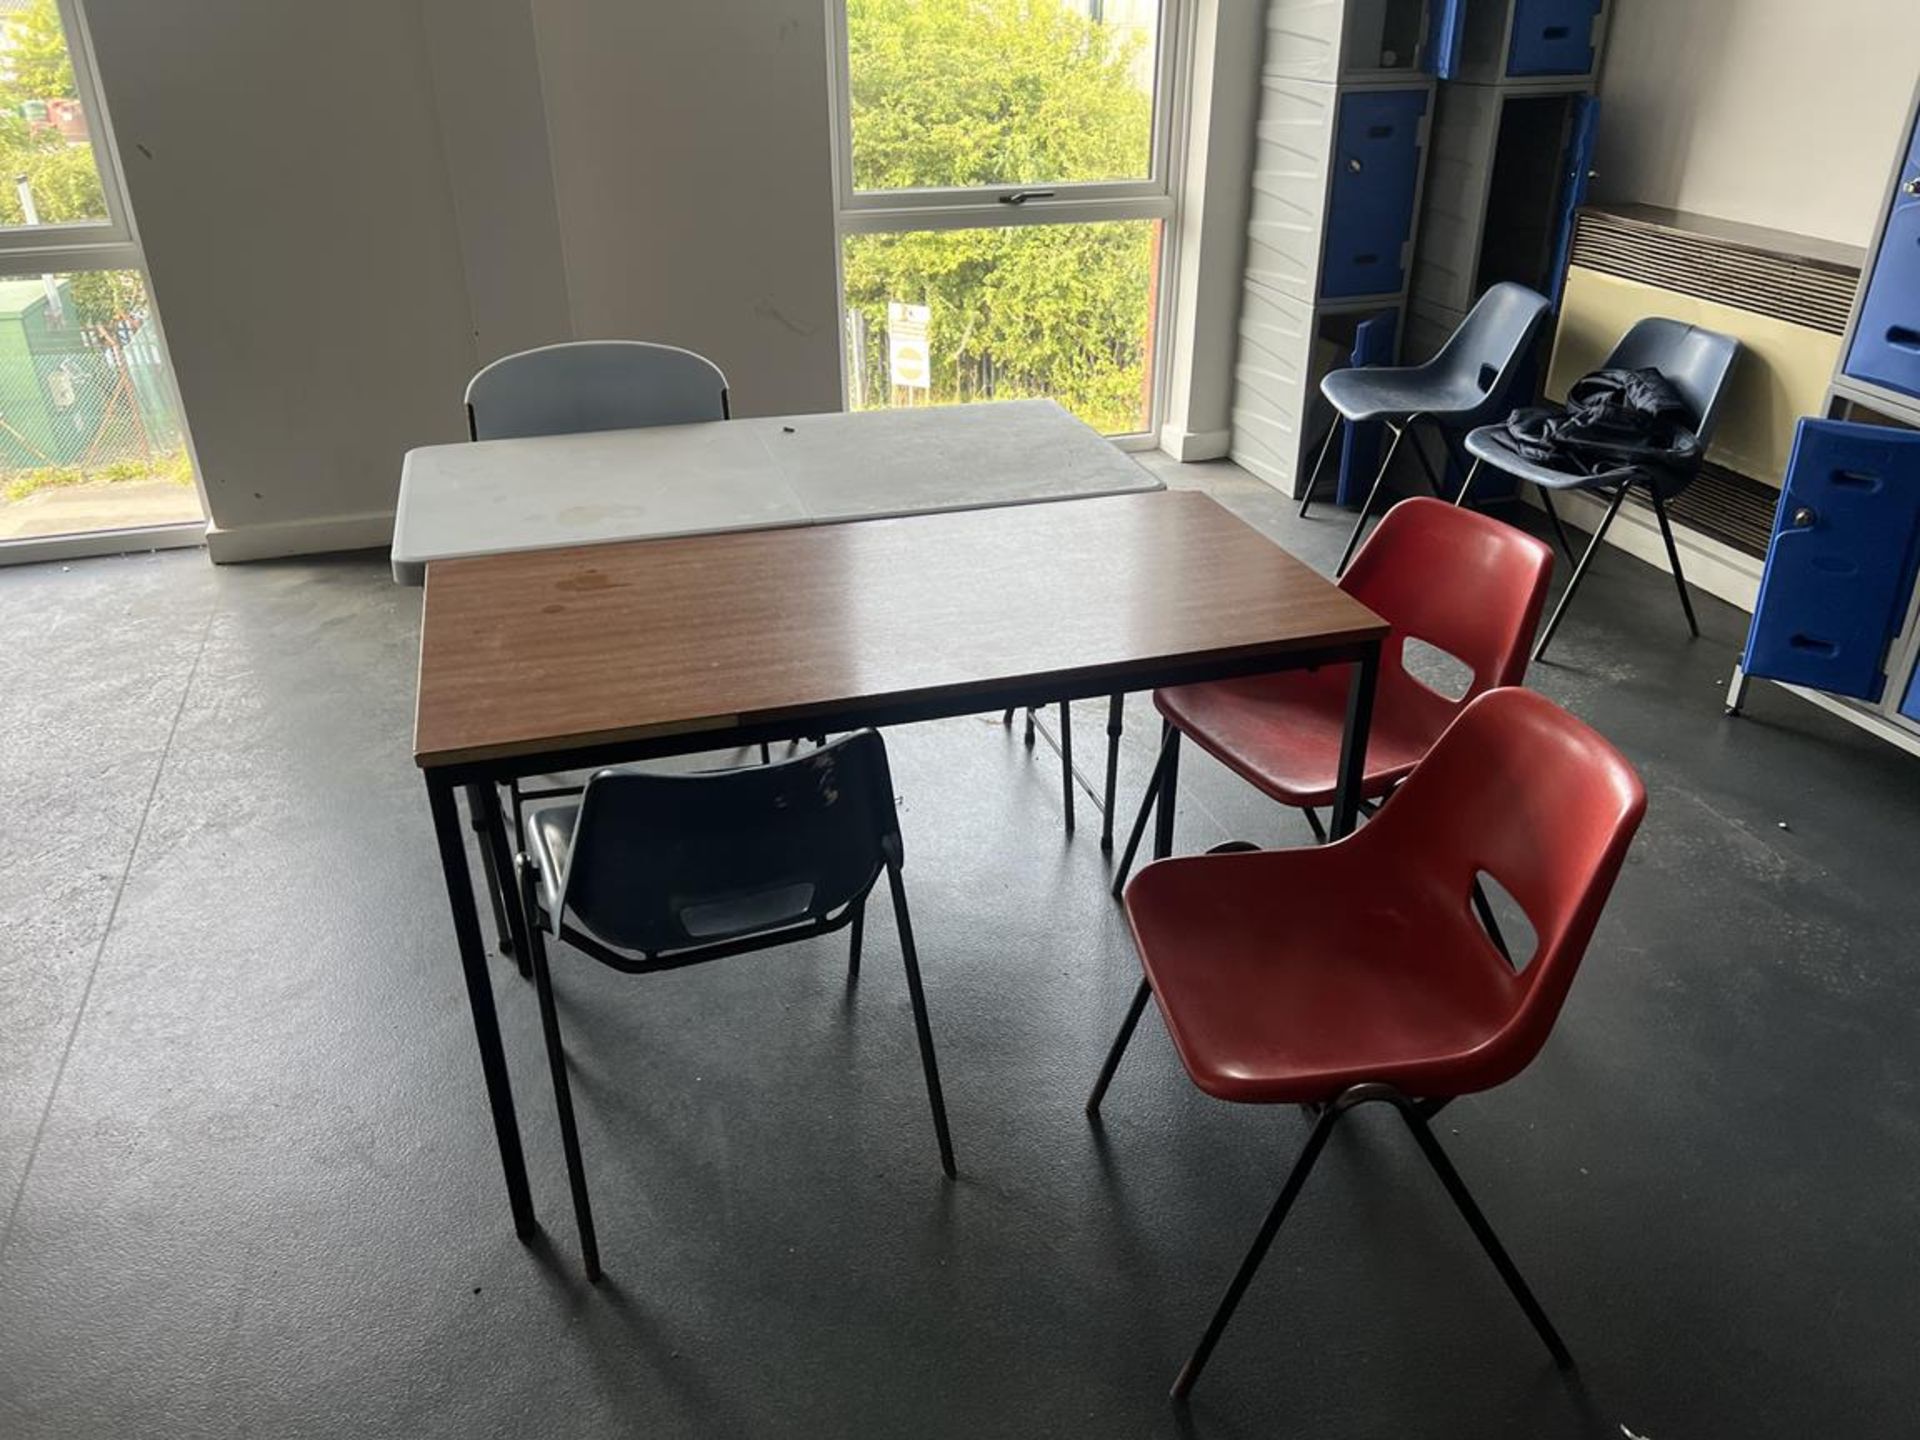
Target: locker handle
point(1556, 32)
point(1379, 132)
point(1813, 645)
point(1904, 337)
point(1855, 480)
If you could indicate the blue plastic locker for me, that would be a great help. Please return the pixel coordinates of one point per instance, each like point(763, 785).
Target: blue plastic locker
point(1886, 341)
point(1373, 344)
point(1552, 37)
point(1573, 194)
point(1377, 151)
point(1841, 568)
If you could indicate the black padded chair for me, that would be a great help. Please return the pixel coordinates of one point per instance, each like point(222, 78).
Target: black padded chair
point(660, 871)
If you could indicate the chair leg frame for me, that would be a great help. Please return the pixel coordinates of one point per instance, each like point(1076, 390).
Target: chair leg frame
point(1164, 778)
point(1414, 1113)
point(1326, 447)
point(929, 1066)
point(1673, 558)
point(1580, 572)
point(1373, 493)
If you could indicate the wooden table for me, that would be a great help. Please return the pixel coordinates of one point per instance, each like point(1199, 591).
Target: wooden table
point(565, 659)
point(494, 496)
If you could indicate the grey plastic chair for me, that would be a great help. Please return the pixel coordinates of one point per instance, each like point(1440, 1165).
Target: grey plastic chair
point(658, 871)
point(1698, 363)
point(593, 385)
point(1467, 384)
point(572, 389)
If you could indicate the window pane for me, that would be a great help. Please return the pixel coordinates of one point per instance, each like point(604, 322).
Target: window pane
point(952, 93)
point(47, 170)
point(90, 434)
point(938, 317)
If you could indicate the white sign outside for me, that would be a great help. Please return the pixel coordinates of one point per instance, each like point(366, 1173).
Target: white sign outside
point(908, 363)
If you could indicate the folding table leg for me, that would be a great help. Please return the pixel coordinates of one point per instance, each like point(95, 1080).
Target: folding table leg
point(486, 1021)
point(1167, 805)
point(490, 871)
point(1066, 763)
point(488, 819)
point(1116, 725)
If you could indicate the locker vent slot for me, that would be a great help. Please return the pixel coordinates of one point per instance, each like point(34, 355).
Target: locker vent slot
point(1793, 278)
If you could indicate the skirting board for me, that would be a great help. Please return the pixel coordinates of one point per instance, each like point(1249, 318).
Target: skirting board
point(300, 537)
point(1187, 446)
point(1718, 569)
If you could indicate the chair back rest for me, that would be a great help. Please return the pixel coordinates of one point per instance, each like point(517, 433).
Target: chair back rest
point(1462, 582)
point(593, 385)
point(663, 862)
point(1521, 790)
point(1491, 346)
point(1697, 362)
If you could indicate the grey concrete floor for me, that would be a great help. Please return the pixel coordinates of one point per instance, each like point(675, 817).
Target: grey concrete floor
point(248, 1185)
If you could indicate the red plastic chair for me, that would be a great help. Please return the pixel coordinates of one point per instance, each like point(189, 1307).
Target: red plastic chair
point(1356, 972)
point(1461, 581)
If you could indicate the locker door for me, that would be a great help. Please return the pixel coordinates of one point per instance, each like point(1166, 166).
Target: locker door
point(1378, 146)
point(1373, 344)
point(1886, 341)
point(1573, 190)
point(1842, 563)
point(1552, 37)
point(1446, 40)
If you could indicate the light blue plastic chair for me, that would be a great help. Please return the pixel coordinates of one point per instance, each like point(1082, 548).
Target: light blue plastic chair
point(1698, 364)
point(589, 385)
point(1467, 384)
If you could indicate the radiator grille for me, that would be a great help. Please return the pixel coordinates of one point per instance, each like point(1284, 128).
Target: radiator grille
point(1730, 508)
point(1797, 289)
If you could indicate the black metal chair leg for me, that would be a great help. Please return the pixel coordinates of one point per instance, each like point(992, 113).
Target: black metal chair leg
point(1473, 472)
point(928, 1065)
point(1306, 496)
point(1559, 530)
point(1329, 1117)
point(1313, 824)
point(858, 927)
point(1147, 801)
point(1366, 506)
point(1066, 764)
point(1673, 558)
point(1483, 1232)
point(1580, 573)
point(562, 1092)
point(1116, 724)
point(1167, 806)
point(1420, 453)
point(1118, 1048)
point(1007, 720)
point(1484, 910)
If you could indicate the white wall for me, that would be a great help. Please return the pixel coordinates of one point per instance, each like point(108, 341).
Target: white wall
point(287, 177)
point(1772, 112)
point(692, 160)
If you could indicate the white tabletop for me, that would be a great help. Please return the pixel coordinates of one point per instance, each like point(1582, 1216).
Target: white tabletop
point(500, 495)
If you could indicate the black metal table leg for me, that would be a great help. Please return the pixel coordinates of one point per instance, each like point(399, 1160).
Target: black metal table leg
point(486, 1022)
point(1353, 744)
point(1116, 726)
point(490, 822)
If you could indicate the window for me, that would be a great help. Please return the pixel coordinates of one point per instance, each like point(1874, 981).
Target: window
point(1003, 198)
point(91, 437)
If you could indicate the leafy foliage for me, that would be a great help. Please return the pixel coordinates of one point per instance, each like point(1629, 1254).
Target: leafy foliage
point(1003, 93)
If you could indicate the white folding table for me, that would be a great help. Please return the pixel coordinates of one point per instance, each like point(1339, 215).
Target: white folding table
point(495, 496)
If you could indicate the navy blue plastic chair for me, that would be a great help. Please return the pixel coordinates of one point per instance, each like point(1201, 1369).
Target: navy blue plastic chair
point(1698, 363)
point(1467, 384)
point(587, 385)
point(658, 871)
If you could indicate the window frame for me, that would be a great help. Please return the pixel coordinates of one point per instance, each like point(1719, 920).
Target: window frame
point(72, 246)
point(868, 212)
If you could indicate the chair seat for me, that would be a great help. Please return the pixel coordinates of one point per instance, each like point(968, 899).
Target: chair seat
point(1491, 444)
point(1288, 976)
point(1282, 733)
point(1377, 392)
